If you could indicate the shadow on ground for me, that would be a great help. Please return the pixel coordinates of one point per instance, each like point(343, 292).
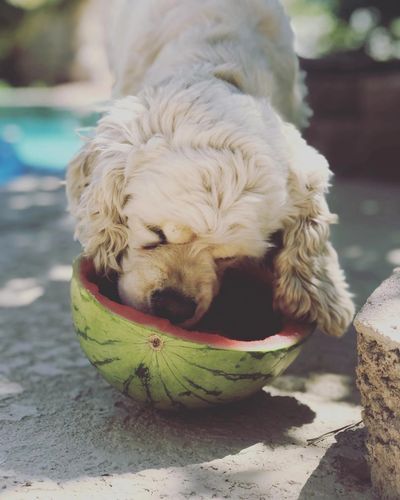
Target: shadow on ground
point(60, 420)
point(95, 431)
point(342, 472)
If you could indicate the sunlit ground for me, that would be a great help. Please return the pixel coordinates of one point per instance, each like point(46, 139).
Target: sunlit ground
point(64, 430)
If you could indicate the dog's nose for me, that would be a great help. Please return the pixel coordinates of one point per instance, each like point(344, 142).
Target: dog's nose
point(173, 305)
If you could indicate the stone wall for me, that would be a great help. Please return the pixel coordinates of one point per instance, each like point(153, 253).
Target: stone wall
point(378, 379)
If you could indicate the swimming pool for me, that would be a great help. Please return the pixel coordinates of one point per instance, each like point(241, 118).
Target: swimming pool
point(39, 139)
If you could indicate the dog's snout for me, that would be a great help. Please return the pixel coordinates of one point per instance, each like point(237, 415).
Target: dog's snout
point(173, 305)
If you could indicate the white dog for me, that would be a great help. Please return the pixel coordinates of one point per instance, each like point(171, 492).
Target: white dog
point(198, 163)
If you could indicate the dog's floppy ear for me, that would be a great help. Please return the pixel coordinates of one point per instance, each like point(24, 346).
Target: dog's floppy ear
point(96, 193)
point(78, 175)
point(96, 182)
point(309, 283)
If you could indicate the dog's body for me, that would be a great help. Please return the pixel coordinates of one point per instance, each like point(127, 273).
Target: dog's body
point(198, 163)
point(247, 43)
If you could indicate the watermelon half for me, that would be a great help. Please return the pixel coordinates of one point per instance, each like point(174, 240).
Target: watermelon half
point(155, 362)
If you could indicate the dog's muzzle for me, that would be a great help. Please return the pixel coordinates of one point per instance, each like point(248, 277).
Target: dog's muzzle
point(171, 304)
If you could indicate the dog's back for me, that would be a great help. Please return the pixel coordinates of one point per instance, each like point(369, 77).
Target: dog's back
point(155, 38)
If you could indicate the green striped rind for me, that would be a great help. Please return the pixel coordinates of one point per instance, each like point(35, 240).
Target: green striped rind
point(163, 370)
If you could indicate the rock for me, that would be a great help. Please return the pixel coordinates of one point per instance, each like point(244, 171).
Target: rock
point(378, 379)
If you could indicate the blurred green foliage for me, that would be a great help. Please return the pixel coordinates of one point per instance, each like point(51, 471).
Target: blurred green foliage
point(387, 9)
point(325, 26)
point(30, 4)
point(34, 40)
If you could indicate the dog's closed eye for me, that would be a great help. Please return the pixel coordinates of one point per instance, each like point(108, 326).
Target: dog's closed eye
point(151, 246)
point(162, 239)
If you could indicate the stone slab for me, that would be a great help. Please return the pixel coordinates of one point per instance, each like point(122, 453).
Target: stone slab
point(378, 378)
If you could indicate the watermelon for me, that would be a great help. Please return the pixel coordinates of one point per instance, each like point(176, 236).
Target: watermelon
point(155, 362)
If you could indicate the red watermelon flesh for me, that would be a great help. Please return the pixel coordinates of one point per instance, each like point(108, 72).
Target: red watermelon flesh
point(242, 310)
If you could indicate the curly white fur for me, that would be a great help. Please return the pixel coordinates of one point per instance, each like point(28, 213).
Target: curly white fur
point(200, 144)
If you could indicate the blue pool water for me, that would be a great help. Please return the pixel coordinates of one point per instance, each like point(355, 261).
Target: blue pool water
point(38, 139)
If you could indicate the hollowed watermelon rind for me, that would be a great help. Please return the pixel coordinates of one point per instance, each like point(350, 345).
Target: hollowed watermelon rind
point(168, 367)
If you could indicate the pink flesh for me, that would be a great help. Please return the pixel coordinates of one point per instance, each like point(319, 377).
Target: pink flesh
point(292, 333)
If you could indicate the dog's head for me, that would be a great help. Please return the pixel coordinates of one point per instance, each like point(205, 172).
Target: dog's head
point(176, 186)
point(191, 213)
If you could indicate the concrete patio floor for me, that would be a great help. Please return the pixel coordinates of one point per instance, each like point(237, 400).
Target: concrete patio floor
point(65, 434)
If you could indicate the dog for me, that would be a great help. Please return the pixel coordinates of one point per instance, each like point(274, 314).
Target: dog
point(199, 163)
